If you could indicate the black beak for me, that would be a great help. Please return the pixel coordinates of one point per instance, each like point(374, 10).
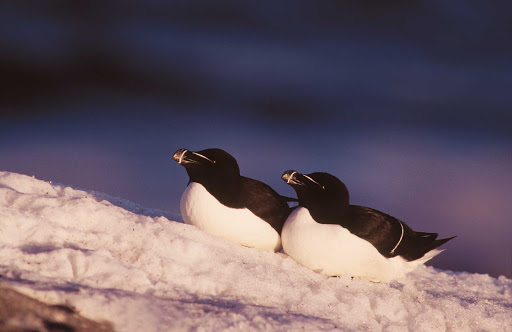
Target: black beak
point(296, 178)
point(184, 156)
point(290, 177)
point(179, 155)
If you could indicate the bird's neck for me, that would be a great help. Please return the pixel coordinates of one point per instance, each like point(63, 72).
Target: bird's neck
point(327, 213)
point(226, 190)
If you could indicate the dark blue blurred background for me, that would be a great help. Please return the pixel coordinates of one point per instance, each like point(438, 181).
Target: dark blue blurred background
point(408, 102)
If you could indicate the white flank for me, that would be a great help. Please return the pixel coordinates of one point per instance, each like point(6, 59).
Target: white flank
point(334, 251)
point(203, 210)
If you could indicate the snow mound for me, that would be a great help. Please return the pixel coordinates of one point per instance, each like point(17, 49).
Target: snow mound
point(137, 268)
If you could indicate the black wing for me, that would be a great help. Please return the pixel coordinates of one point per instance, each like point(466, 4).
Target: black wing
point(264, 202)
point(384, 232)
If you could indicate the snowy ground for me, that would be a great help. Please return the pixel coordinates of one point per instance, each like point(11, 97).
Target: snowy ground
point(140, 269)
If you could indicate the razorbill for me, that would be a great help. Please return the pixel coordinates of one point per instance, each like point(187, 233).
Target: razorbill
point(330, 236)
point(220, 201)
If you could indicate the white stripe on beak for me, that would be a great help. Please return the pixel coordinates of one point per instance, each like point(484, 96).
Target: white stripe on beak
point(181, 156)
point(290, 177)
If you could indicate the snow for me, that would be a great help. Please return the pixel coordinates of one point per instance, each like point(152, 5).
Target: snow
point(144, 269)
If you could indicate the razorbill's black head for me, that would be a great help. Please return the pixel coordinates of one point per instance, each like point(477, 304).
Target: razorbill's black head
point(222, 202)
point(324, 209)
point(216, 170)
point(323, 194)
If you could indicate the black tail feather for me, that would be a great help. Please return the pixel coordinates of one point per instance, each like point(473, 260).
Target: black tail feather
point(418, 244)
point(440, 242)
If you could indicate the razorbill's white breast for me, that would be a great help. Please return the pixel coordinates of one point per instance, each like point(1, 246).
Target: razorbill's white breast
point(330, 236)
point(220, 201)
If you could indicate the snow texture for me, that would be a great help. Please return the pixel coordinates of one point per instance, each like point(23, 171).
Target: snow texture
point(146, 270)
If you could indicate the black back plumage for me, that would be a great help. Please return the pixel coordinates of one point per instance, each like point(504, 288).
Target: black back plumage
point(327, 199)
point(264, 202)
point(219, 173)
point(385, 231)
